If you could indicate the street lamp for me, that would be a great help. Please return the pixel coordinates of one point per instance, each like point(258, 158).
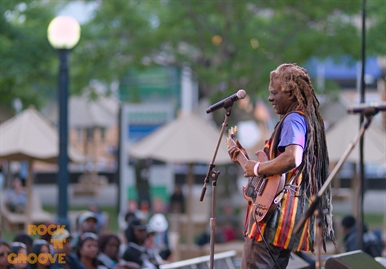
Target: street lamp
point(63, 34)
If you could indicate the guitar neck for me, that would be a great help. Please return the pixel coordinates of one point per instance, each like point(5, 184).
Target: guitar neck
point(241, 158)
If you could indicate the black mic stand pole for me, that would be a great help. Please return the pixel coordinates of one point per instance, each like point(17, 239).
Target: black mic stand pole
point(214, 175)
point(316, 198)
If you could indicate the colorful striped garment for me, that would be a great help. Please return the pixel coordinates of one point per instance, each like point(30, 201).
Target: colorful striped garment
point(278, 229)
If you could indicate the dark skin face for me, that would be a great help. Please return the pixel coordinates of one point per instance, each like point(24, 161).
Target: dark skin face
point(4, 251)
point(112, 248)
point(282, 102)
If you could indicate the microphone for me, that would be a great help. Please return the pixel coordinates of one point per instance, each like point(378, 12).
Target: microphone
point(227, 102)
point(369, 108)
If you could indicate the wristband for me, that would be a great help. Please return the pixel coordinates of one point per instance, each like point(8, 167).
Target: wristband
point(256, 169)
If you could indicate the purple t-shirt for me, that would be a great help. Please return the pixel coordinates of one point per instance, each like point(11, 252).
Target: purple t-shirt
point(293, 131)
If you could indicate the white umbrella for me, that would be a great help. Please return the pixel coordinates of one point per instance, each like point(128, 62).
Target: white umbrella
point(188, 139)
point(344, 131)
point(85, 113)
point(27, 137)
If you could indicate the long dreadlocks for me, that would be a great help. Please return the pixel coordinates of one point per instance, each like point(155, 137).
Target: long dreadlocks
point(315, 158)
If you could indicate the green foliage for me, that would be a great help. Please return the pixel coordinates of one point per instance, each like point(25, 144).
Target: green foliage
point(376, 34)
point(26, 56)
point(283, 31)
point(228, 44)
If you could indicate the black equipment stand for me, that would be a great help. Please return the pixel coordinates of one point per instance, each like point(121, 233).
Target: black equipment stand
point(314, 207)
point(214, 175)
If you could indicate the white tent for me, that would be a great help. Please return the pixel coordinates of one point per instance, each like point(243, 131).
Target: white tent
point(342, 133)
point(28, 136)
point(188, 139)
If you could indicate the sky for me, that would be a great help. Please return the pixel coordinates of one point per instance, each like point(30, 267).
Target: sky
point(79, 10)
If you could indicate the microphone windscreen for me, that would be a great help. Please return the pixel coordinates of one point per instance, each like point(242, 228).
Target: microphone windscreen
point(241, 94)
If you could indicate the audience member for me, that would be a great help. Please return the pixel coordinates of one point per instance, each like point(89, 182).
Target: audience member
point(86, 223)
point(159, 226)
point(41, 246)
point(371, 244)
point(48, 236)
point(101, 222)
point(136, 251)
point(18, 249)
point(71, 260)
point(177, 201)
point(87, 251)
point(151, 250)
point(109, 244)
point(4, 251)
point(16, 197)
point(227, 225)
point(24, 238)
point(125, 216)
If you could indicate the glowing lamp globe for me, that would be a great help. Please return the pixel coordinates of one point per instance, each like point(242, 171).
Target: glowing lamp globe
point(63, 32)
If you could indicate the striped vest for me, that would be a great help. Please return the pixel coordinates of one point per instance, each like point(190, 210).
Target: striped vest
point(278, 229)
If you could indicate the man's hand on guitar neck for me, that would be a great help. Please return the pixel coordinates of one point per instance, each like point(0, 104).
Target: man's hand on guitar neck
point(234, 151)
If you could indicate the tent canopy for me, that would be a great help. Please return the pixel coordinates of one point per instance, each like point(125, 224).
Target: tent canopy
point(342, 133)
point(188, 139)
point(29, 135)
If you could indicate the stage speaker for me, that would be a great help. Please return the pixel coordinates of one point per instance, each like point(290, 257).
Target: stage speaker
point(352, 260)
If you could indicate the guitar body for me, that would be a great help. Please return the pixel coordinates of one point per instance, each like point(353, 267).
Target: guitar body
point(259, 191)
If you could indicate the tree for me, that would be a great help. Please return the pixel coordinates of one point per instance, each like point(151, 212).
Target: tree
point(116, 39)
point(27, 59)
point(235, 44)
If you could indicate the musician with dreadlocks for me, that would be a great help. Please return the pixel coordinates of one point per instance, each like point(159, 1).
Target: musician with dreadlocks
point(297, 149)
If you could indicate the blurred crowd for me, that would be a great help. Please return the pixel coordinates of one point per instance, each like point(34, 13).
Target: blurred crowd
point(141, 242)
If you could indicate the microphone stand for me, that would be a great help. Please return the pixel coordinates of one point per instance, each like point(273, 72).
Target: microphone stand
point(314, 207)
point(214, 175)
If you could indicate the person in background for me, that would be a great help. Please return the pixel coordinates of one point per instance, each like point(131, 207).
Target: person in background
point(40, 247)
point(151, 249)
point(136, 251)
point(87, 222)
point(297, 154)
point(16, 197)
point(160, 225)
point(177, 201)
point(24, 238)
point(48, 236)
point(87, 251)
point(4, 251)
point(93, 207)
point(372, 245)
point(160, 233)
point(71, 260)
point(125, 217)
point(18, 249)
point(227, 225)
point(109, 244)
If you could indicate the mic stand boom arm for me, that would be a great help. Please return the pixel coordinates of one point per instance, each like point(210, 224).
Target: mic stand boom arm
point(214, 175)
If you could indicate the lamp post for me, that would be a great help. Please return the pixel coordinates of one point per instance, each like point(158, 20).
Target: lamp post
point(63, 34)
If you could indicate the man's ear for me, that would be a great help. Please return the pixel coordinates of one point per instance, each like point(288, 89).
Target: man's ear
point(292, 96)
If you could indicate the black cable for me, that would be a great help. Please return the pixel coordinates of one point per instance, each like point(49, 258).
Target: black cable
point(266, 244)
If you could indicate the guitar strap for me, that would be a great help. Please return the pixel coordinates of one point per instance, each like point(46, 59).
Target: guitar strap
point(270, 149)
point(274, 141)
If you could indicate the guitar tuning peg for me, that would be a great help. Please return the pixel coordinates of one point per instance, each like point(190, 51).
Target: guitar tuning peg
point(236, 129)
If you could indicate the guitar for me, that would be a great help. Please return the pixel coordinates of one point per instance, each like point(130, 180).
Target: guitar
point(262, 190)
